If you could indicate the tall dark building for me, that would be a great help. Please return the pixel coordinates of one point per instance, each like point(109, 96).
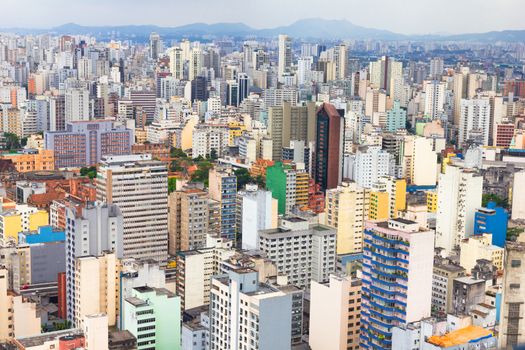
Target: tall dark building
point(244, 87)
point(232, 93)
point(199, 89)
point(328, 147)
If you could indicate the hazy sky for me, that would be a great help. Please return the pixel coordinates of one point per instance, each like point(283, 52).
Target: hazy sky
point(402, 16)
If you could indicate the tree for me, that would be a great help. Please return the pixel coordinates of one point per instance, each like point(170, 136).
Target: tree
point(11, 141)
point(213, 154)
point(491, 197)
point(203, 171)
point(90, 172)
point(172, 184)
point(243, 178)
point(177, 153)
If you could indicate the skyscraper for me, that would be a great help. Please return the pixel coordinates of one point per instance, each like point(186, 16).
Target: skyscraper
point(176, 63)
point(285, 55)
point(474, 122)
point(434, 98)
point(397, 279)
point(154, 46)
point(139, 186)
point(327, 165)
point(223, 189)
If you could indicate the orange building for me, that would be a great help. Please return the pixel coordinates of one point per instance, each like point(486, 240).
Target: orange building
point(259, 167)
point(31, 160)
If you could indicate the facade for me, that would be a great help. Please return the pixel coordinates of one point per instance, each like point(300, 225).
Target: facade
point(396, 118)
point(247, 314)
point(397, 250)
point(475, 121)
point(443, 276)
point(459, 195)
point(518, 196)
point(85, 143)
point(492, 220)
point(138, 185)
point(31, 160)
point(347, 210)
point(296, 237)
point(90, 231)
point(512, 316)
point(479, 247)
point(153, 316)
point(327, 163)
point(23, 218)
point(223, 189)
point(335, 310)
point(370, 163)
point(467, 292)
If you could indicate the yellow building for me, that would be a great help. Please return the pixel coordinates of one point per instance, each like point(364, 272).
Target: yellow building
point(22, 219)
point(31, 161)
point(432, 200)
point(446, 161)
point(347, 210)
point(479, 247)
point(235, 130)
point(379, 206)
point(301, 189)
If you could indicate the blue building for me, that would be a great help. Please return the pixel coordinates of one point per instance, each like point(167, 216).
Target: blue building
point(493, 220)
point(44, 234)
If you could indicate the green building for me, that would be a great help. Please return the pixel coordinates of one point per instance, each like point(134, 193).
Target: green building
point(276, 181)
point(152, 315)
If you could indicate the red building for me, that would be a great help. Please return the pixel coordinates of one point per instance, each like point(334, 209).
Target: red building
point(504, 135)
point(316, 198)
point(517, 87)
point(62, 304)
point(70, 342)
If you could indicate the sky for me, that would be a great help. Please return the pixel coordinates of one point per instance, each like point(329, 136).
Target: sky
point(401, 16)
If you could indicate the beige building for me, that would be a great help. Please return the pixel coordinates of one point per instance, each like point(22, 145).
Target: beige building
point(335, 309)
point(512, 317)
point(346, 210)
point(479, 247)
point(138, 185)
point(420, 161)
point(96, 287)
point(188, 219)
point(18, 317)
point(443, 276)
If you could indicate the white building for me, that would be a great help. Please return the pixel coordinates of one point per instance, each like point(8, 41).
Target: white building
point(434, 98)
point(76, 105)
point(518, 196)
point(301, 250)
point(285, 56)
point(207, 137)
point(459, 196)
point(474, 121)
point(370, 164)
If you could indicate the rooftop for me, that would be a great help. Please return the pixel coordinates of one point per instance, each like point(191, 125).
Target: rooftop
point(461, 336)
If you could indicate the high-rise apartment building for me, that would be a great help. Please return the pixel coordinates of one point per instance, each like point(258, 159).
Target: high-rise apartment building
point(301, 250)
point(474, 124)
point(285, 56)
point(246, 314)
point(397, 279)
point(369, 164)
point(335, 311)
point(138, 185)
point(512, 317)
point(154, 46)
point(176, 63)
point(459, 195)
point(347, 210)
point(90, 231)
point(288, 122)
point(85, 143)
point(223, 189)
point(76, 105)
point(434, 98)
point(327, 165)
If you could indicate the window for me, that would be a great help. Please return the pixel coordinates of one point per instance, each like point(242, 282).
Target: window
point(515, 263)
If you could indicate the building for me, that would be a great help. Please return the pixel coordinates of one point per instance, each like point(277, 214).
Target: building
point(479, 247)
point(196, 331)
point(223, 189)
point(443, 275)
point(459, 195)
point(512, 315)
point(327, 164)
point(474, 122)
point(335, 311)
point(396, 118)
point(294, 238)
point(138, 185)
point(369, 164)
point(493, 220)
point(85, 143)
point(257, 210)
point(195, 269)
point(31, 160)
point(188, 219)
point(347, 210)
point(90, 231)
point(96, 288)
point(518, 196)
point(288, 123)
point(76, 106)
point(467, 292)
point(23, 218)
point(153, 316)
point(434, 98)
point(247, 314)
point(281, 180)
point(397, 271)
point(420, 161)
point(284, 63)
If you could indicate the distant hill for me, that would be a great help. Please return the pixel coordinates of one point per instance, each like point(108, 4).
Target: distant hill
point(313, 28)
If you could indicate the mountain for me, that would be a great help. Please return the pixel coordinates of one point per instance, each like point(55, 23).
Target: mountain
point(313, 28)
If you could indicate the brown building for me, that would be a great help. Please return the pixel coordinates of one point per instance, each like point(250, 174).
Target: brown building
point(31, 160)
point(328, 147)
